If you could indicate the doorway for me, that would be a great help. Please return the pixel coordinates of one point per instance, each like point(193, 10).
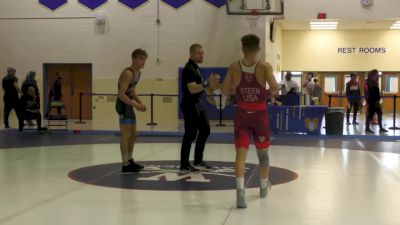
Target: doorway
point(75, 79)
point(332, 84)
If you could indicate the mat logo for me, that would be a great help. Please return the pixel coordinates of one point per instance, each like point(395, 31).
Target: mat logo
point(196, 177)
point(165, 176)
point(170, 173)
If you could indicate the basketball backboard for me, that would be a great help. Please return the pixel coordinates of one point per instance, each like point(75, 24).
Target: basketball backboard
point(254, 7)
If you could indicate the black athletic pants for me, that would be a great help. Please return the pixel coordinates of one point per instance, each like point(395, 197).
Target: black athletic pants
point(374, 107)
point(196, 125)
point(355, 105)
point(10, 104)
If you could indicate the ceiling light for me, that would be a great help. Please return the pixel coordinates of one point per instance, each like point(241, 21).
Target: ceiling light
point(323, 28)
point(396, 25)
point(324, 25)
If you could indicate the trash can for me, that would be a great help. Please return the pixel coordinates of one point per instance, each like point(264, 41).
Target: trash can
point(334, 118)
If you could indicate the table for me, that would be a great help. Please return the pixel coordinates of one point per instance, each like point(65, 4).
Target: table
point(296, 119)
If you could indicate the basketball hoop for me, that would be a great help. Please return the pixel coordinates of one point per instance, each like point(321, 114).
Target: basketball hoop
point(255, 7)
point(252, 18)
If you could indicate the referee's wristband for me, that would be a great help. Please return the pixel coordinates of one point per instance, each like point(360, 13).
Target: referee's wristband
point(205, 84)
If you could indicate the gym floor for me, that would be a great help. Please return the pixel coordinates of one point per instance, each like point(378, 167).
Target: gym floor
point(67, 178)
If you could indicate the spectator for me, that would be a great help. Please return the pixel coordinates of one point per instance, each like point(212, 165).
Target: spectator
point(30, 81)
point(353, 94)
point(289, 85)
point(11, 95)
point(30, 108)
point(316, 92)
point(374, 101)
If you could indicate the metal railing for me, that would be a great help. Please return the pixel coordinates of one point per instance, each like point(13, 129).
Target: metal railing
point(152, 108)
point(152, 96)
point(330, 96)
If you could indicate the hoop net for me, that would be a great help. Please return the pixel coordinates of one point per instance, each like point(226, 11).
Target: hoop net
point(252, 18)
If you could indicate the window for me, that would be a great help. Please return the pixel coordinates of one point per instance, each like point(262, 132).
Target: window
point(392, 84)
point(347, 78)
point(330, 84)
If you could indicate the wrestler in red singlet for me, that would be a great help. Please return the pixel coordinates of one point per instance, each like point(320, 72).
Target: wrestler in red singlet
point(247, 81)
point(251, 115)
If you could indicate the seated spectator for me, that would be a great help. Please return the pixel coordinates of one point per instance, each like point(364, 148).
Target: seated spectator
point(30, 108)
point(30, 81)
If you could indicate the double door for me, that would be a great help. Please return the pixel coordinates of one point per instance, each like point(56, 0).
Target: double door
point(76, 78)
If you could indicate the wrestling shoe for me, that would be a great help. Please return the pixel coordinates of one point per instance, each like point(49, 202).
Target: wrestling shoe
point(265, 190)
point(240, 199)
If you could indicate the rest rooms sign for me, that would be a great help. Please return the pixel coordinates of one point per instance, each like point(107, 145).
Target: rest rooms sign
point(362, 50)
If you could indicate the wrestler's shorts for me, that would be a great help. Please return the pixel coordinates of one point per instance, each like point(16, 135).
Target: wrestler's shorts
point(126, 113)
point(251, 123)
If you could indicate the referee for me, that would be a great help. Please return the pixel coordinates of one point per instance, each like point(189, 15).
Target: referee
point(196, 121)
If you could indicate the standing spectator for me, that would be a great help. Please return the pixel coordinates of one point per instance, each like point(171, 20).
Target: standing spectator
point(308, 87)
point(289, 85)
point(56, 92)
point(353, 94)
point(316, 92)
point(11, 95)
point(57, 88)
point(374, 101)
point(374, 120)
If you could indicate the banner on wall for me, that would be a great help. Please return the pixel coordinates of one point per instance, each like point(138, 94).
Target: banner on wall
point(133, 4)
point(176, 3)
point(216, 3)
point(92, 4)
point(211, 103)
point(52, 4)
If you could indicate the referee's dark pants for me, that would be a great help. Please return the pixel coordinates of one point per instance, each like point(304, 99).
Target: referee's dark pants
point(196, 125)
